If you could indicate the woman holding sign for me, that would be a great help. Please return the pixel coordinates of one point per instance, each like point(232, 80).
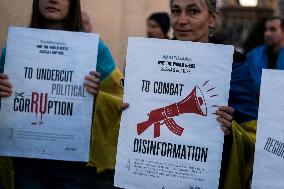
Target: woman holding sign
point(35, 173)
point(194, 20)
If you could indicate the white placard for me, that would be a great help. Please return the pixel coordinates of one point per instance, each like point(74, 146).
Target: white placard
point(268, 169)
point(169, 137)
point(49, 115)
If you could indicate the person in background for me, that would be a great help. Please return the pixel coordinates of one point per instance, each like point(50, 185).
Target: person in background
point(37, 173)
point(271, 54)
point(255, 37)
point(158, 25)
point(86, 23)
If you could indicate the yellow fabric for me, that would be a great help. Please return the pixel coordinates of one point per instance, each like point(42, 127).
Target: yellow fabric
point(241, 157)
point(106, 123)
point(6, 173)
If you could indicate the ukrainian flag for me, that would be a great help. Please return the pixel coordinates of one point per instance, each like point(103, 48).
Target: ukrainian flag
point(238, 153)
point(106, 114)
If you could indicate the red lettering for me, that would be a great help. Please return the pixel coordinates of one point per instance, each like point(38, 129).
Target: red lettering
point(34, 102)
point(43, 104)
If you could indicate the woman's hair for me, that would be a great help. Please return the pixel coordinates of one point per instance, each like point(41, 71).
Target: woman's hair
point(163, 20)
point(73, 21)
point(211, 4)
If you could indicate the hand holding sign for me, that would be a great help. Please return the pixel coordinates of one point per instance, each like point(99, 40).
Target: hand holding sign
point(225, 118)
point(5, 86)
point(92, 84)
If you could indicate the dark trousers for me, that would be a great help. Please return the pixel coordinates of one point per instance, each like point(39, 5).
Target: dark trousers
point(47, 174)
point(50, 174)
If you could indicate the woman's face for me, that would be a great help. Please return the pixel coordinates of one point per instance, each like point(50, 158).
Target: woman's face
point(191, 20)
point(54, 10)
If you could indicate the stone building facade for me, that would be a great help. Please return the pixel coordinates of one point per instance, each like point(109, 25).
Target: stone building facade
point(238, 21)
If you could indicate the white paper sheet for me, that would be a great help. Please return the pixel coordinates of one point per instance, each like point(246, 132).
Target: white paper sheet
point(49, 114)
point(268, 169)
point(177, 85)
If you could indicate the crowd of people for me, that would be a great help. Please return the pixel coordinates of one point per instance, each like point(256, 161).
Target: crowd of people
point(190, 20)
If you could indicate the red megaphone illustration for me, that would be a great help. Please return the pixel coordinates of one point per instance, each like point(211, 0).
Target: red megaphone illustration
point(193, 103)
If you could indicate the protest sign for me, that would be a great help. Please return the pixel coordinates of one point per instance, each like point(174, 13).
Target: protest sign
point(169, 136)
point(269, 150)
point(49, 114)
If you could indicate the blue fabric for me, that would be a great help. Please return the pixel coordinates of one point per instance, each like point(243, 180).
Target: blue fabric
point(2, 60)
point(257, 60)
point(242, 94)
point(105, 64)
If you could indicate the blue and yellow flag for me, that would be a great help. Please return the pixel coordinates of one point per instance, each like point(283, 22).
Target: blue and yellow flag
point(106, 114)
point(238, 154)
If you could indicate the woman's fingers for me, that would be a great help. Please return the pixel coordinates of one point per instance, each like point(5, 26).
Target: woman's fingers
point(5, 82)
point(225, 115)
point(96, 74)
point(225, 130)
point(5, 86)
point(3, 76)
point(224, 122)
point(123, 107)
point(226, 112)
point(93, 80)
point(91, 85)
point(92, 91)
point(227, 109)
point(5, 94)
point(5, 89)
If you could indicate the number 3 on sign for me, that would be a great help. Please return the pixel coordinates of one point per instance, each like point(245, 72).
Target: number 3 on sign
point(128, 165)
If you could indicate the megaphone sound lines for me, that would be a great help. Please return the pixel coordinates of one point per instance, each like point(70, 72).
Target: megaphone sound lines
point(193, 103)
point(206, 82)
point(204, 85)
point(211, 90)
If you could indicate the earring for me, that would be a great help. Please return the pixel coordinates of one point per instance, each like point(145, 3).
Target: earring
point(211, 31)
